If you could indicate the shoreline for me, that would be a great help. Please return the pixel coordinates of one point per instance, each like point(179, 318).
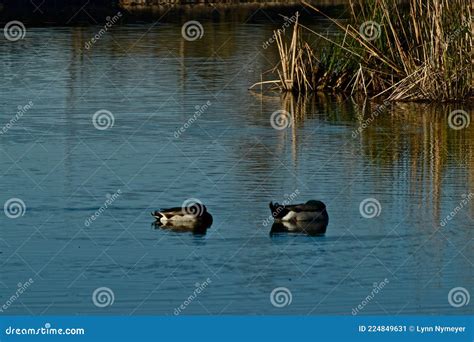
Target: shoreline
point(82, 12)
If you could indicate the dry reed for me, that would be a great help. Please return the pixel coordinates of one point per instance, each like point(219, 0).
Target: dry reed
point(413, 50)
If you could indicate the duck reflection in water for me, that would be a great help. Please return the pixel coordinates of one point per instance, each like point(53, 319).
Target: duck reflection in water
point(196, 228)
point(308, 228)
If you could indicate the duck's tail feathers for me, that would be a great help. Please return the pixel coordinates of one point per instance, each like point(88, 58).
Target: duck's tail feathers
point(156, 214)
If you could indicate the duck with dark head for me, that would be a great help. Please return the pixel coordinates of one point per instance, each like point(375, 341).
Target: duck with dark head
point(310, 218)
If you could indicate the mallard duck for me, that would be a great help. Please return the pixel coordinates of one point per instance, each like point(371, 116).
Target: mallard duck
point(195, 214)
point(310, 216)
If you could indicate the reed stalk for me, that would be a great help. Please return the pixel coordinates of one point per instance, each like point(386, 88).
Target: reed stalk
point(401, 50)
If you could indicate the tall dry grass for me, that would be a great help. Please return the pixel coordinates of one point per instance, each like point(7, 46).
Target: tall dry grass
point(401, 50)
